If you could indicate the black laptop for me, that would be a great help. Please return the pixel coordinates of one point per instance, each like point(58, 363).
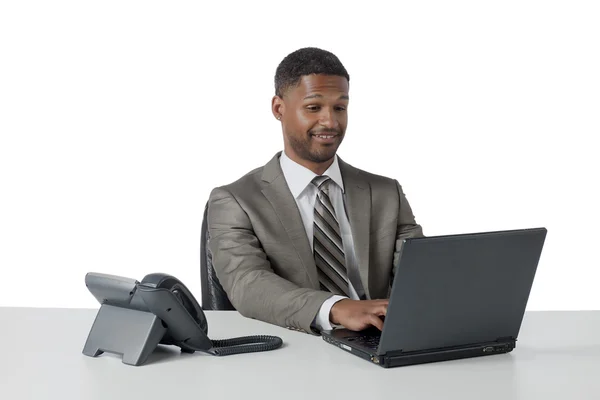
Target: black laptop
point(452, 297)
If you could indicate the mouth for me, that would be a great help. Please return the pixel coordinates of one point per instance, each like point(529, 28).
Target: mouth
point(325, 137)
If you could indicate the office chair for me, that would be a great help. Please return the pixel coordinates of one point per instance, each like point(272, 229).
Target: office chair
point(213, 294)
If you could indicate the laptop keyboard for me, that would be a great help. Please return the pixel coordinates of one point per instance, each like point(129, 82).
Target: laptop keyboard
point(370, 341)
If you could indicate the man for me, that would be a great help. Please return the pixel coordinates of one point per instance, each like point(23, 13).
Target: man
point(309, 242)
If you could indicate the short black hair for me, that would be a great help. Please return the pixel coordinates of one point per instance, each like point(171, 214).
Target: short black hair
point(306, 61)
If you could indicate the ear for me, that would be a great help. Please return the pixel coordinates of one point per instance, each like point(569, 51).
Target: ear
point(277, 107)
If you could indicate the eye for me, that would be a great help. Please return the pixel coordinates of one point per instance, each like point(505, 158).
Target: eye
point(313, 108)
point(340, 108)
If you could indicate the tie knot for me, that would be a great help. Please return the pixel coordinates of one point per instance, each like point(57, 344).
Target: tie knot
point(321, 181)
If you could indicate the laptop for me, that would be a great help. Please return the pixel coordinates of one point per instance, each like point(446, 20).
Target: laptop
point(452, 297)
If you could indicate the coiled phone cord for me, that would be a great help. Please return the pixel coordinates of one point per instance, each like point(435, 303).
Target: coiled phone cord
point(245, 344)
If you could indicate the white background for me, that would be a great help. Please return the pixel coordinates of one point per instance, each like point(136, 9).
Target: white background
point(117, 118)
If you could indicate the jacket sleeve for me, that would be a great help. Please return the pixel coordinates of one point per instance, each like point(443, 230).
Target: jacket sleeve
point(407, 226)
point(246, 275)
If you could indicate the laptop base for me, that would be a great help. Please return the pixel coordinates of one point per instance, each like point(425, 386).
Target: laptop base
point(399, 359)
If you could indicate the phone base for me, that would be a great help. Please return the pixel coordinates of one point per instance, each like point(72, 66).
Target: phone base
point(134, 334)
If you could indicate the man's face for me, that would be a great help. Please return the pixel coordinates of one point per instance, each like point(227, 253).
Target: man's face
point(314, 117)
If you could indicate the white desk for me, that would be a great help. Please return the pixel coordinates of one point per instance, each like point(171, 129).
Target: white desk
point(557, 357)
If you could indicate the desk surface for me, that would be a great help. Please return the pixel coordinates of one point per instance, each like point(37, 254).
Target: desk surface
point(557, 357)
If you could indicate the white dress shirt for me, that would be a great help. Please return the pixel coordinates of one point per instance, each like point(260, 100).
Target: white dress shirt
point(299, 180)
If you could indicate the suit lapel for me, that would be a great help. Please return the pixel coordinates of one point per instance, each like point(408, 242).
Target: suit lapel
point(278, 194)
point(357, 197)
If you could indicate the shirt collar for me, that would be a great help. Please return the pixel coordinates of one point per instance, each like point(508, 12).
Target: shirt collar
point(299, 177)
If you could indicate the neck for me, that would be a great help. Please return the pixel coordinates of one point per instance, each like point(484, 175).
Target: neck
point(317, 167)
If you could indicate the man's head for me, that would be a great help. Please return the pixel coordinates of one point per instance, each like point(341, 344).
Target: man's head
point(311, 101)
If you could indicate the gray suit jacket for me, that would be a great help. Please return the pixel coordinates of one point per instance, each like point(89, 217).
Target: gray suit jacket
point(263, 258)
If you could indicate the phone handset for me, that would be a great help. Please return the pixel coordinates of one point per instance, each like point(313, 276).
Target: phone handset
point(171, 301)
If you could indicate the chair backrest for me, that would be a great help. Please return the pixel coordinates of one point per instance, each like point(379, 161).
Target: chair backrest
point(213, 294)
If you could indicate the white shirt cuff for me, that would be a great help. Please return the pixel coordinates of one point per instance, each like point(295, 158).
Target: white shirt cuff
point(322, 321)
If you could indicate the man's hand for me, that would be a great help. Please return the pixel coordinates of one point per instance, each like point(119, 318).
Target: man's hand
point(357, 315)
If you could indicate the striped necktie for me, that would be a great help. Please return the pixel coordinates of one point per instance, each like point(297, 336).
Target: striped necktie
point(328, 249)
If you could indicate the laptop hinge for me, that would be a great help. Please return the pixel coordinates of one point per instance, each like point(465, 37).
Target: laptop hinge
point(506, 339)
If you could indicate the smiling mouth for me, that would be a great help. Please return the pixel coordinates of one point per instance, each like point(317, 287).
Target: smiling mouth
point(324, 136)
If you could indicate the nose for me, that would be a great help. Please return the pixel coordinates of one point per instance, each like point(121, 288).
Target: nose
point(328, 119)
